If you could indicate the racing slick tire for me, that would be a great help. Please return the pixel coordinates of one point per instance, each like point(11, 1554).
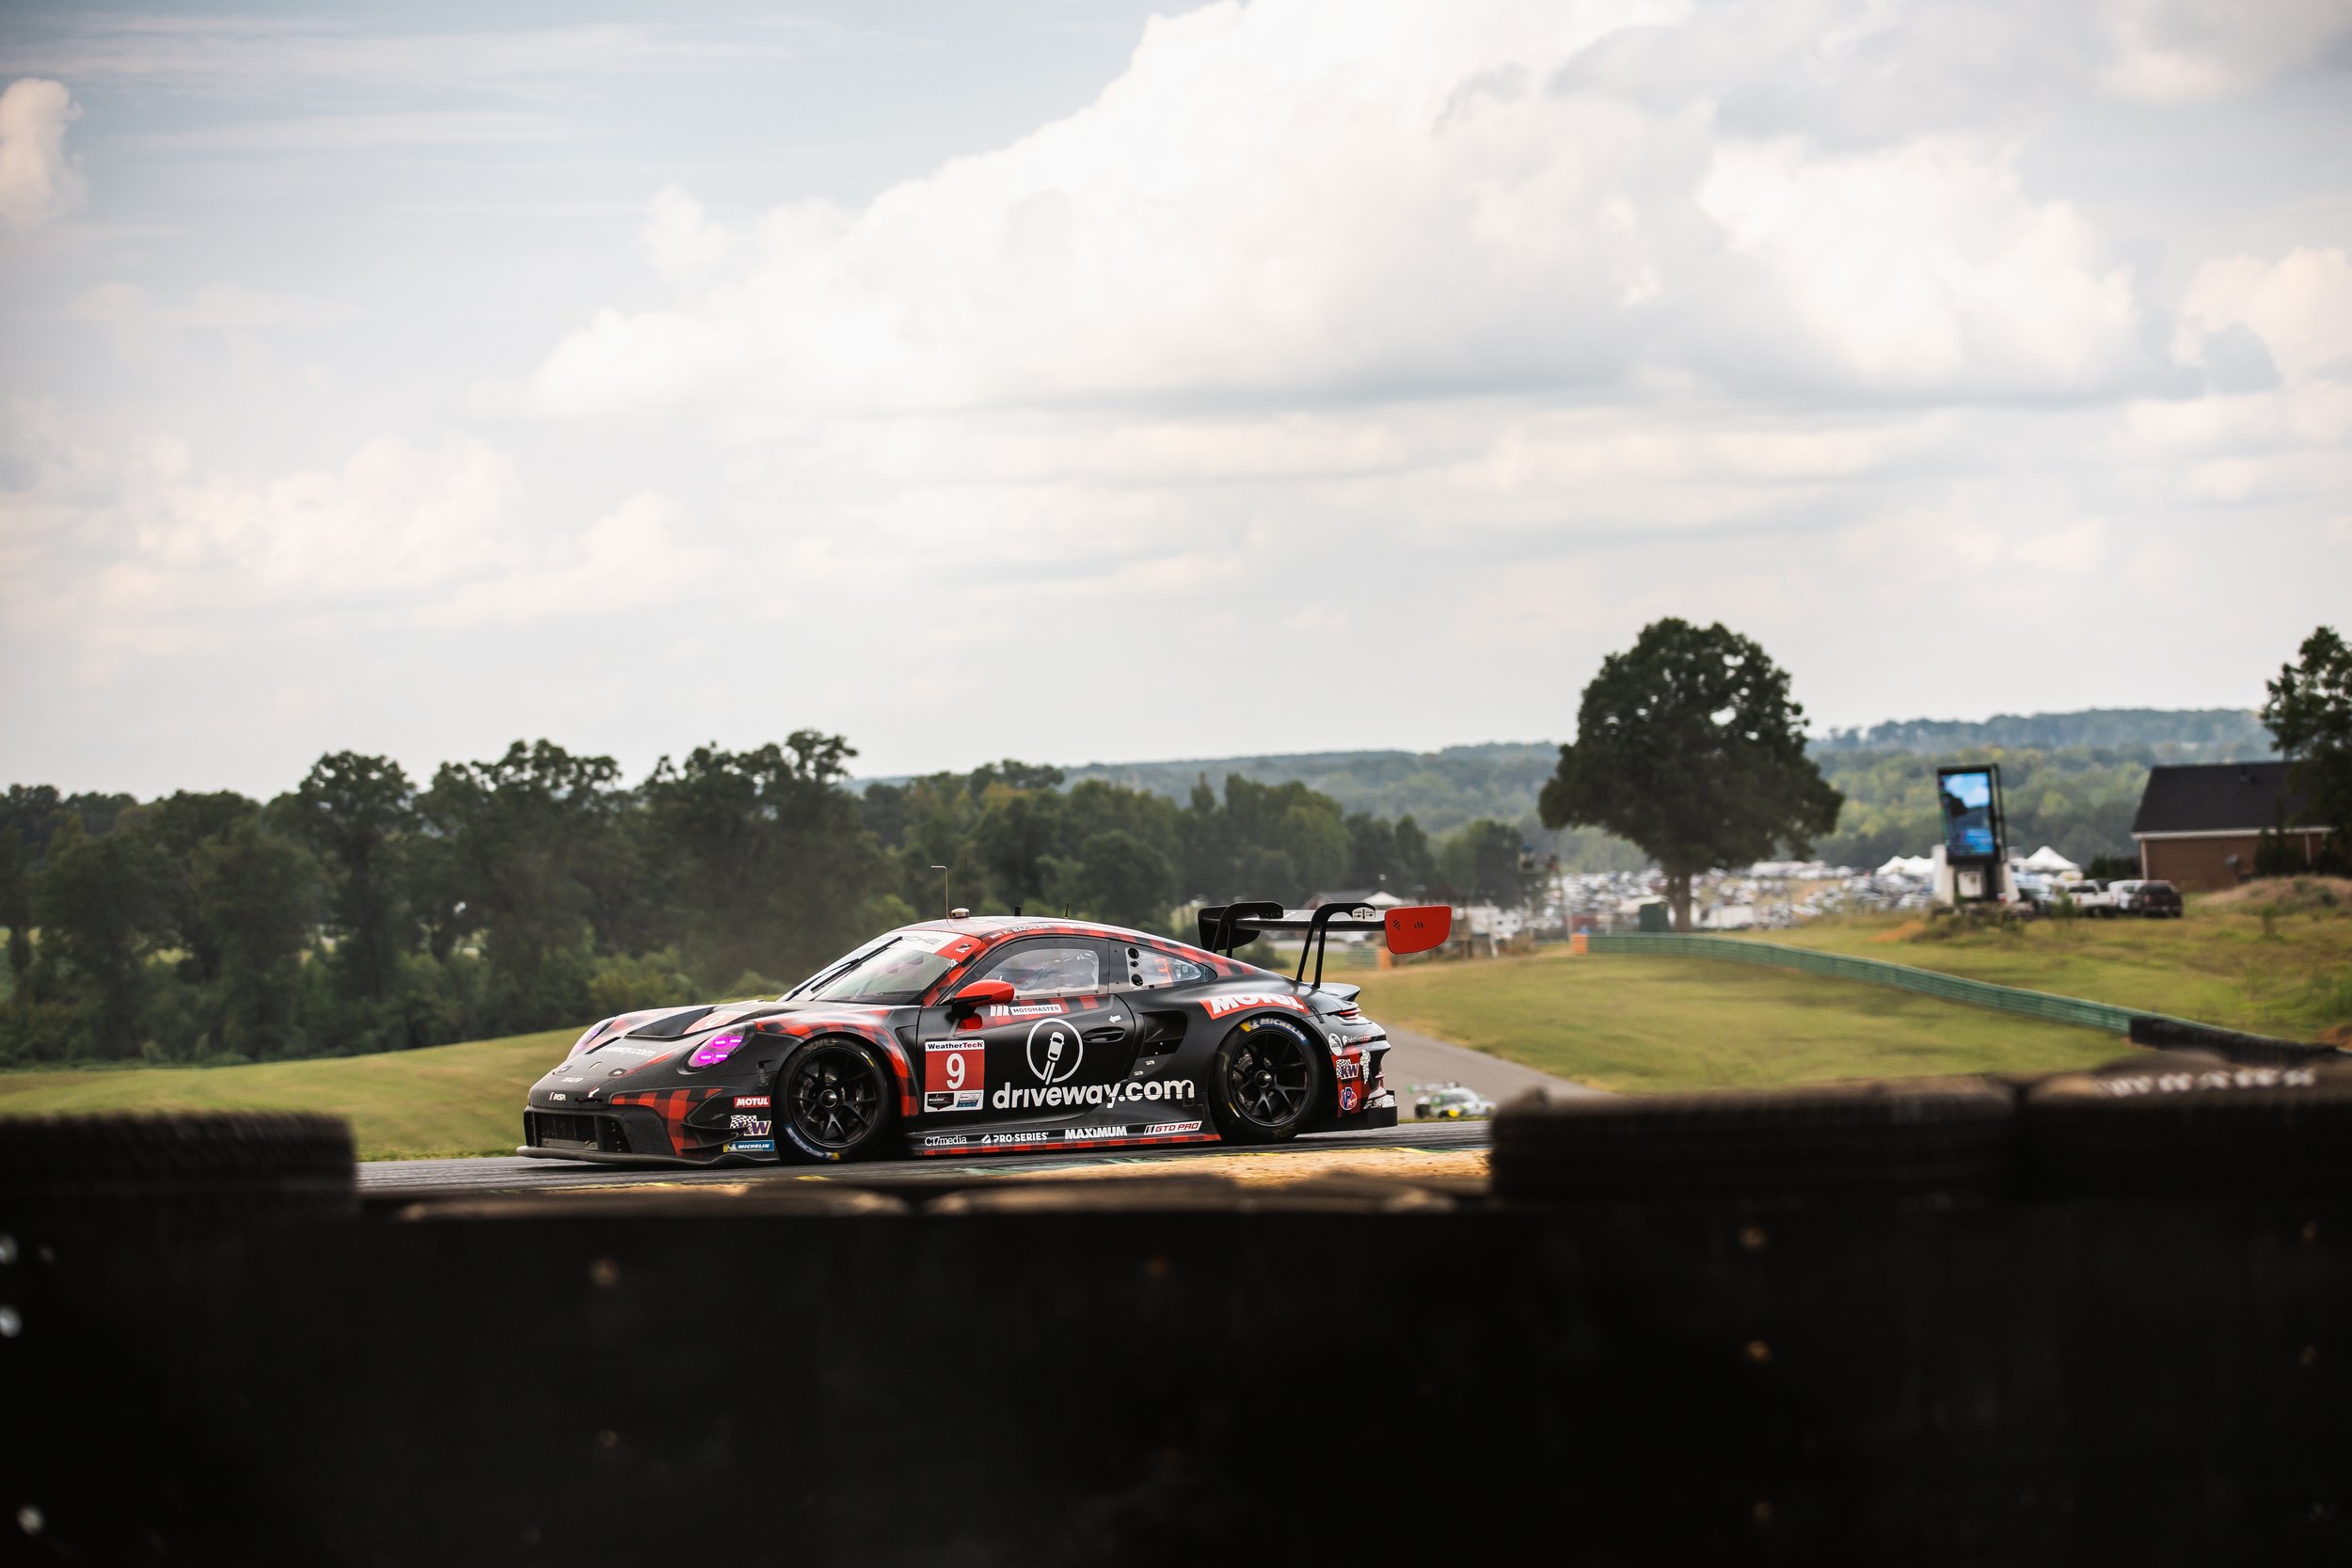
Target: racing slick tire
point(1266, 1080)
point(834, 1100)
point(1937, 1135)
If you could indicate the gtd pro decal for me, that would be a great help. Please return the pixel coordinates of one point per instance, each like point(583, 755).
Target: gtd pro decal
point(954, 1072)
point(1219, 1006)
point(1055, 1050)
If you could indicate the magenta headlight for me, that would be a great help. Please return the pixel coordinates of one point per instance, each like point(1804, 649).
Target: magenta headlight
point(717, 1049)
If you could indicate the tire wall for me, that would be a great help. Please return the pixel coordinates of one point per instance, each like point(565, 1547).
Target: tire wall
point(1922, 1380)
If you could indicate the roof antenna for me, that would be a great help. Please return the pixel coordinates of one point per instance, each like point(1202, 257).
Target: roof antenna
point(944, 905)
point(1016, 911)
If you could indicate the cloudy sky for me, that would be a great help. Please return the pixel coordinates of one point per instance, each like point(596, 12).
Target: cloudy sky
point(1061, 379)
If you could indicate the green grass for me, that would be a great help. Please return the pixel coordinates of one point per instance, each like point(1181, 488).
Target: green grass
point(2221, 964)
point(1621, 1021)
point(403, 1105)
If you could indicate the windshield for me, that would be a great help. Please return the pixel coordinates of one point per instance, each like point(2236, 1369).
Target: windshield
point(899, 968)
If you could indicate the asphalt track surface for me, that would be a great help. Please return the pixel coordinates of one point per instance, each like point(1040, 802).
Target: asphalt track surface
point(1413, 1060)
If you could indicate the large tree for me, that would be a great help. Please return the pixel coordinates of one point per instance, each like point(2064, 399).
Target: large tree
point(2309, 714)
point(1688, 744)
point(355, 811)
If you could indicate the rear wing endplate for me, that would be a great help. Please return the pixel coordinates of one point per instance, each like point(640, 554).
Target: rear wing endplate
point(1407, 929)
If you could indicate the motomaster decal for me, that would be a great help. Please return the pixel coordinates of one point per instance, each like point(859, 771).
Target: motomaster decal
point(1025, 1010)
point(1070, 1096)
point(954, 1074)
point(1055, 1050)
point(1217, 1006)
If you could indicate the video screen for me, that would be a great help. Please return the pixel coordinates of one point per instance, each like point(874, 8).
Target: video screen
point(1966, 799)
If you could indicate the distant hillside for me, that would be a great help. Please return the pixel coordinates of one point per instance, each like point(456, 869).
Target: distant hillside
point(2073, 779)
point(1441, 790)
point(2188, 735)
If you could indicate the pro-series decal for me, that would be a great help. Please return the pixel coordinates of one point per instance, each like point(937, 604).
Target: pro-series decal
point(1066, 1138)
point(955, 1073)
point(1233, 1002)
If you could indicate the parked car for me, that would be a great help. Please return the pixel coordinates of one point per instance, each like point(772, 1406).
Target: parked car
point(2090, 897)
point(2146, 897)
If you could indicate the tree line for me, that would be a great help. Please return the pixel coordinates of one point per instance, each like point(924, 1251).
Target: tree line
point(364, 910)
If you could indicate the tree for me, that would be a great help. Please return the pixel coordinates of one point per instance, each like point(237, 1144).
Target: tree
point(1485, 861)
point(254, 894)
point(774, 866)
point(355, 810)
point(101, 915)
point(2309, 715)
point(16, 913)
point(523, 832)
point(1690, 745)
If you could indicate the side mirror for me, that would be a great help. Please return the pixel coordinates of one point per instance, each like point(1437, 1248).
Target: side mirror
point(982, 993)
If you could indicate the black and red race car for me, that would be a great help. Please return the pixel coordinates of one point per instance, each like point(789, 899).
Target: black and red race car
point(972, 1035)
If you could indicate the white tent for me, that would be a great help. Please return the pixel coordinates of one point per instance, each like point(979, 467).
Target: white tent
point(2050, 863)
point(1909, 865)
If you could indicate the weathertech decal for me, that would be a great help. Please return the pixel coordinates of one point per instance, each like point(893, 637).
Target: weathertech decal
point(953, 1075)
point(1217, 1006)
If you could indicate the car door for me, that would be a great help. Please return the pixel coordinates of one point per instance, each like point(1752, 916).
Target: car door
point(1057, 1052)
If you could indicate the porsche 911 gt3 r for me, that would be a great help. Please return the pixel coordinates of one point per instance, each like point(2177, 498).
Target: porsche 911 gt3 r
point(973, 1035)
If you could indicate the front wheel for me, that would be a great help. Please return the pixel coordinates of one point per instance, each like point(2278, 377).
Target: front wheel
point(1264, 1082)
point(833, 1103)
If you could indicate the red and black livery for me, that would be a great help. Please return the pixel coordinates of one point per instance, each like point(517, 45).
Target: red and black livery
point(977, 1035)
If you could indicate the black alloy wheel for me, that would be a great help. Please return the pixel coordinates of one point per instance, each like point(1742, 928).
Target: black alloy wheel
point(1267, 1081)
point(836, 1102)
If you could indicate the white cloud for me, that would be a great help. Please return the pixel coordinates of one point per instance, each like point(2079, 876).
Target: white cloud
point(2301, 305)
point(1927, 268)
point(139, 322)
point(1309, 200)
point(683, 242)
point(2170, 50)
point(38, 182)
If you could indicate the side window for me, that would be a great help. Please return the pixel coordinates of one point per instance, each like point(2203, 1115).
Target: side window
point(1039, 968)
point(1148, 967)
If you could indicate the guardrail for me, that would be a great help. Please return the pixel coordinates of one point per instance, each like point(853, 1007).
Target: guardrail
point(1878, 972)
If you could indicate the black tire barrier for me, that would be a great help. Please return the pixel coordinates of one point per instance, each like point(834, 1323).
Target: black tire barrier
point(2192, 1124)
point(2172, 1034)
point(1938, 1134)
point(180, 1168)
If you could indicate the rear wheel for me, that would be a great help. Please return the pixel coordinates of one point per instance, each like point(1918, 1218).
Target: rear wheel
point(1266, 1081)
point(834, 1102)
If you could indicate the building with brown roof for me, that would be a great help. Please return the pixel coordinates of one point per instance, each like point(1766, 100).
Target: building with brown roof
point(2199, 827)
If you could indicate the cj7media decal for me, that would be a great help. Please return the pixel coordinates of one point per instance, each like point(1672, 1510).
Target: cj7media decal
point(954, 1072)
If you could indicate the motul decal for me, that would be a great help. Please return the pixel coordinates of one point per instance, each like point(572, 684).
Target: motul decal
point(1234, 1002)
point(954, 1074)
point(751, 1101)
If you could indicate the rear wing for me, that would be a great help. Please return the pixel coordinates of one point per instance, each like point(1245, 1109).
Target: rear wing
point(1407, 929)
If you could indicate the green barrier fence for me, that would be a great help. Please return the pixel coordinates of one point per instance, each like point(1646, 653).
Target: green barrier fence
point(1877, 972)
